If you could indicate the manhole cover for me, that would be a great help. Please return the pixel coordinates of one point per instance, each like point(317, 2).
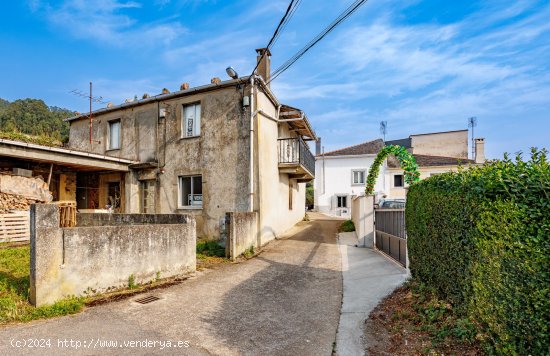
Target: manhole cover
point(148, 299)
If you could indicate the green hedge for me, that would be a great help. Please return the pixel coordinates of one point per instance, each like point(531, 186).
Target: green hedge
point(480, 238)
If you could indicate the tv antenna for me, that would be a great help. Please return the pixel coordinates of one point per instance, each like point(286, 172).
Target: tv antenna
point(384, 128)
point(92, 99)
point(472, 122)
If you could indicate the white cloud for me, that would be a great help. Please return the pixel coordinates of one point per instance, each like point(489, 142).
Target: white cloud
point(109, 22)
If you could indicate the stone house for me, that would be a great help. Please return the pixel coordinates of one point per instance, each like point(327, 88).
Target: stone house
point(229, 146)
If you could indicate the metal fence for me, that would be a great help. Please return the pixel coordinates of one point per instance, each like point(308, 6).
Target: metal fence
point(295, 150)
point(391, 235)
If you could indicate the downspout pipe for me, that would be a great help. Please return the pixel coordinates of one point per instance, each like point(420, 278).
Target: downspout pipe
point(251, 177)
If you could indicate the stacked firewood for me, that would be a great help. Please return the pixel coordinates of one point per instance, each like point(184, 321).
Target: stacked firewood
point(13, 202)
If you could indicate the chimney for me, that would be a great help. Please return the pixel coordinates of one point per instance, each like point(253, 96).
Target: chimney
point(480, 150)
point(318, 146)
point(215, 80)
point(184, 86)
point(264, 64)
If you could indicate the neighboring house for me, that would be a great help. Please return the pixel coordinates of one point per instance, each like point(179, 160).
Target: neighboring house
point(228, 146)
point(341, 174)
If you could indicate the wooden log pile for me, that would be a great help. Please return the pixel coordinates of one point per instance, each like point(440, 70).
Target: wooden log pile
point(14, 202)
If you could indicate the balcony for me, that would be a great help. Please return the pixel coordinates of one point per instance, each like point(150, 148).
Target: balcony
point(296, 159)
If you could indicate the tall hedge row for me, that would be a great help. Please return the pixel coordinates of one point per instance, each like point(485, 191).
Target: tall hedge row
point(480, 237)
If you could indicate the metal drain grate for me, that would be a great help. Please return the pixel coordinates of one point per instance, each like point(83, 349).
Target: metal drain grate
point(148, 299)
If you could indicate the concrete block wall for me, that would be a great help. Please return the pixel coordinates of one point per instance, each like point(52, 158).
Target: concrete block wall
point(93, 259)
point(242, 233)
point(362, 215)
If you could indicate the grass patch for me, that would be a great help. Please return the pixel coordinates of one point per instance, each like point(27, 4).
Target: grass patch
point(210, 254)
point(14, 290)
point(249, 252)
point(210, 248)
point(347, 226)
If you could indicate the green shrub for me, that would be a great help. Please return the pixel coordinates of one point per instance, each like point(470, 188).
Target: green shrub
point(210, 248)
point(347, 226)
point(480, 239)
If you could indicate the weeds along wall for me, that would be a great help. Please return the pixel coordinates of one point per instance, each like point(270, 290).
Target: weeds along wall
point(480, 238)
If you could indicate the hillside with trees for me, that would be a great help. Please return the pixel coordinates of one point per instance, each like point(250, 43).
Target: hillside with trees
point(34, 118)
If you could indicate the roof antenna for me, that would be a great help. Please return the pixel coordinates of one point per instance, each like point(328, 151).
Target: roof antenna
point(91, 98)
point(384, 128)
point(472, 122)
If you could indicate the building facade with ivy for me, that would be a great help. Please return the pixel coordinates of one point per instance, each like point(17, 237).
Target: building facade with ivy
point(342, 174)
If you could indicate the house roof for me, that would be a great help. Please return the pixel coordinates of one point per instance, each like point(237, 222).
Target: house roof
point(62, 156)
point(160, 97)
point(431, 161)
point(298, 121)
point(405, 142)
point(365, 148)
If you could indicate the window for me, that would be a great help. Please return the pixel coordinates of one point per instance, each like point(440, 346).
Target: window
point(114, 135)
point(191, 121)
point(342, 201)
point(358, 177)
point(190, 189)
point(398, 180)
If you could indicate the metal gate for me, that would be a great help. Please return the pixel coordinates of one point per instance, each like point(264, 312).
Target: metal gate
point(390, 233)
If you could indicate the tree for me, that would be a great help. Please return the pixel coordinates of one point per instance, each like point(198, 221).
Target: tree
point(34, 117)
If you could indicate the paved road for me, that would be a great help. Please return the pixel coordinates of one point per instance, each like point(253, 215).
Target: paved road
point(286, 301)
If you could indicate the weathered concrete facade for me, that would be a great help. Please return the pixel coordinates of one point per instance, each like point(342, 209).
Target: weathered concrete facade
point(445, 144)
point(94, 259)
point(242, 233)
point(236, 154)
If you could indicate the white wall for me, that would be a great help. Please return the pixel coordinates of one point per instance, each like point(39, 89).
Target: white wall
point(272, 187)
point(333, 177)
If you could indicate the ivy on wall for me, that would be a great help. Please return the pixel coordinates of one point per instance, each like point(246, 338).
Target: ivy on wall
point(406, 160)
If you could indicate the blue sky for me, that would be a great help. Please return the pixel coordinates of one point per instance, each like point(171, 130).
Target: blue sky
point(422, 66)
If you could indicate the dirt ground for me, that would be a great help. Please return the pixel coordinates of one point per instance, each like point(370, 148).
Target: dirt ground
point(395, 328)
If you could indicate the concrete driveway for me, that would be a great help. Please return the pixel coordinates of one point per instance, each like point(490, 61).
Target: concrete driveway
point(286, 301)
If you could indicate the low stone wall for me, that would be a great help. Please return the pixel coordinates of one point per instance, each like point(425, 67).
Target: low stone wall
point(242, 234)
point(362, 215)
point(94, 259)
point(106, 219)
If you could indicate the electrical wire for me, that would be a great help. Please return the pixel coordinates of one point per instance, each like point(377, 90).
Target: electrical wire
point(275, 34)
point(342, 17)
point(289, 17)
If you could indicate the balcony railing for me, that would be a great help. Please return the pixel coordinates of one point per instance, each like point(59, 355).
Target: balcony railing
point(294, 151)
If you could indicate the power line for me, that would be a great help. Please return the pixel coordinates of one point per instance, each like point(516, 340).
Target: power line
point(276, 33)
point(342, 17)
point(289, 17)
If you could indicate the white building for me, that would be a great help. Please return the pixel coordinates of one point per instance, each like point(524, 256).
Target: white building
point(341, 174)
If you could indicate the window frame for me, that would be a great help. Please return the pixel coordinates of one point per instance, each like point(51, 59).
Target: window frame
point(196, 124)
point(345, 200)
point(180, 192)
point(110, 133)
point(402, 180)
point(353, 171)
